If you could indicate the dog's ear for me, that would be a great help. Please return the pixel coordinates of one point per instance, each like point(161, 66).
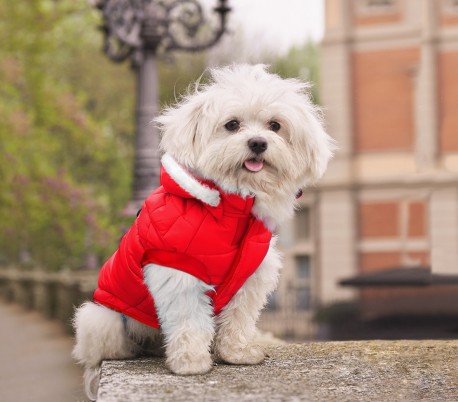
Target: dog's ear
point(321, 147)
point(180, 129)
point(314, 143)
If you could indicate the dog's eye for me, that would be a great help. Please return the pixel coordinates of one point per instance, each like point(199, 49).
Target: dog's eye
point(274, 126)
point(232, 125)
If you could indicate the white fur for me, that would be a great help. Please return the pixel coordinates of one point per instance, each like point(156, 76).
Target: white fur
point(237, 322)
point(189, 183)
point(186, 318)
point(197, 144)
point(101, 335)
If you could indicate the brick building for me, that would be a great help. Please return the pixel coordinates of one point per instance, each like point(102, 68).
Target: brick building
point(389, 84)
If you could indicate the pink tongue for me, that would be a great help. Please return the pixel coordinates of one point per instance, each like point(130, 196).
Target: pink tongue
point(253, 165)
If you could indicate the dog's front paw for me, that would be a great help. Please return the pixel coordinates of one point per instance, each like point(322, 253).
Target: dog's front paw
point(189, 363)
point(240, 354)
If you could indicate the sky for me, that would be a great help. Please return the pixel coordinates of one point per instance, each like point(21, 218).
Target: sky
point(278, 23)
point(283, 22)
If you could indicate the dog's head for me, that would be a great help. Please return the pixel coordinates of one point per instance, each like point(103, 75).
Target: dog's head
point(249, 131)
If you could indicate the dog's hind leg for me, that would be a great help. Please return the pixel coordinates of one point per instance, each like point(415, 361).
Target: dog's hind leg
point(236, 324)
point(100, 334)
point(186, 317)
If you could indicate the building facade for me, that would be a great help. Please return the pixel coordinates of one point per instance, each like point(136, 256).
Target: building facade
point(389, 86)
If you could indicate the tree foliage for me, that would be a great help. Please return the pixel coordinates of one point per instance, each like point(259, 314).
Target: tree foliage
point(63, 171)
point(301, 62)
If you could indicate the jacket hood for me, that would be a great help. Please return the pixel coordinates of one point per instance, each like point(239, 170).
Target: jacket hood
point(177, 180)
point(185, 185)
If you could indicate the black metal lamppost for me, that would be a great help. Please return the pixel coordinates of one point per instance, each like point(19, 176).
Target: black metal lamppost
point(138, 30)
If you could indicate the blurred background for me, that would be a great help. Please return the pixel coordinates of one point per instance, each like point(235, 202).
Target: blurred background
point(373, 251)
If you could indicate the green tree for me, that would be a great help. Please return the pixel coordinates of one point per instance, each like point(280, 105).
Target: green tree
point(62, 170)
point(301, 62)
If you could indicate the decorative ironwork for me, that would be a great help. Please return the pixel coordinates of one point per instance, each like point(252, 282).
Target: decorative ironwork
point(130, 26)
point(139, 29)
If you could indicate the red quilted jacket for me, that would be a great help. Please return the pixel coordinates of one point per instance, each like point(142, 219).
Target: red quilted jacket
point(190, 225)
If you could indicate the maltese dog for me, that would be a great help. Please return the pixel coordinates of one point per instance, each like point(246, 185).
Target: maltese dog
point(192, 274)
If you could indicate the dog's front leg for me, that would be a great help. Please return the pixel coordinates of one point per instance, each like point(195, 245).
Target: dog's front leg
point(236, 324)
point(186, 317)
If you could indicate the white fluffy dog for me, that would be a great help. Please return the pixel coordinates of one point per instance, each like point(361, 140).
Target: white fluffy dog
point(194, 271)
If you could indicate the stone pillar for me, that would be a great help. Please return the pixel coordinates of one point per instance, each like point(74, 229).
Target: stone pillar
point(336, 244)
point(444, 231)
point(336, 87)
point(426, 99)
point(336, 221)
point(43, 294)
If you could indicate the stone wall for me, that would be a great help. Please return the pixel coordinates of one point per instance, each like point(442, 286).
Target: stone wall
point(53, 294)
point(330, 371)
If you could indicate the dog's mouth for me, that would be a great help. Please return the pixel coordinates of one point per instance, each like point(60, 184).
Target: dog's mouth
point(254, 165)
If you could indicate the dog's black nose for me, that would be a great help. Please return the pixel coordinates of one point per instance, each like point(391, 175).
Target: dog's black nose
point(257, 144)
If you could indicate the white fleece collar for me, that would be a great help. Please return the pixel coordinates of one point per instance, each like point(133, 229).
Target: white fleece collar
point(189, 183)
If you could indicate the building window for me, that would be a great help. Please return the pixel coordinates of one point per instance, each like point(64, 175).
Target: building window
point(303, 268)
point(451, 6)
point(380, 3)
point(272, 301)
point(376, 6)
point(302, 288)
point(393, 233)
point(302, 224)
point(303, 299)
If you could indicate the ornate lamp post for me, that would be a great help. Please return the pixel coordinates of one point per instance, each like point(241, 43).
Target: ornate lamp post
point(138, 30)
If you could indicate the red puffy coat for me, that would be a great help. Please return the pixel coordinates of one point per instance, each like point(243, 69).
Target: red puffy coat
point(190, 225)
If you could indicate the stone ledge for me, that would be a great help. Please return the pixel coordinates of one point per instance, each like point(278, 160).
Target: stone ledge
point(331, 371)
